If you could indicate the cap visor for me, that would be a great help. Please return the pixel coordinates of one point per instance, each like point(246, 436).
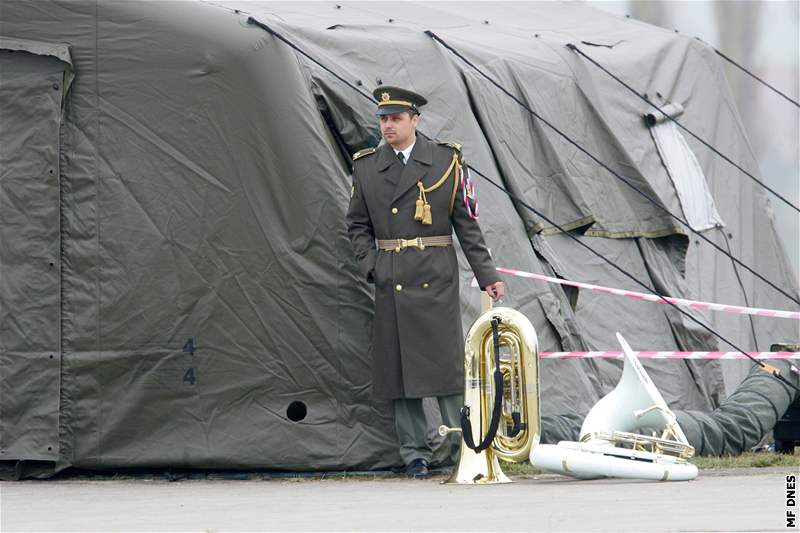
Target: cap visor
point(391, 109)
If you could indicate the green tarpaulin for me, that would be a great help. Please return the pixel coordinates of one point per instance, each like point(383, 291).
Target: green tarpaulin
point(175, 270)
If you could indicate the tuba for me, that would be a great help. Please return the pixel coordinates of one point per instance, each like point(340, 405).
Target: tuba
point(501, 397)
point(612, 442)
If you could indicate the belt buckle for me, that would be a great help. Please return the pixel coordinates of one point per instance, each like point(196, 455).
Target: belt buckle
point(410, 243)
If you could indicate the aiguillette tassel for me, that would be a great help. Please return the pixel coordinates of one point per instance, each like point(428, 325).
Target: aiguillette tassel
point(426, 218)
point(418, 211)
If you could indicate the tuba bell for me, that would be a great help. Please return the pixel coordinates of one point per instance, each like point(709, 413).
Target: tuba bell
point(612, 439)
point(501, 397)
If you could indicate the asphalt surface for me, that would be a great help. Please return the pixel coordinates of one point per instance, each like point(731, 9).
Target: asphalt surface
point(725, 500)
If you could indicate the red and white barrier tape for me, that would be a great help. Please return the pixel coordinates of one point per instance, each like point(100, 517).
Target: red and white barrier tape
point(794, 315)
point(671, 355)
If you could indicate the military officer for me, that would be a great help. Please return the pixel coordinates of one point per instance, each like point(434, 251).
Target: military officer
point(408, 196)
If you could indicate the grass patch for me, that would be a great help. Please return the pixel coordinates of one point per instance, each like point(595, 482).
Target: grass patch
point(748, 460)
point(520, 469)
point(745, 460)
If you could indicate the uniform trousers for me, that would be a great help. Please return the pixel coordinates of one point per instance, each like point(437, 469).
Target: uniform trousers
point(412, 430)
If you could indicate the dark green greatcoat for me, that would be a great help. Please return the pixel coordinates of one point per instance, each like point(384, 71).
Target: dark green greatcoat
point(417, 343)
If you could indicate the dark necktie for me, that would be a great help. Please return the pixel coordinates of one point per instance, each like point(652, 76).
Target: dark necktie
point(401, 157)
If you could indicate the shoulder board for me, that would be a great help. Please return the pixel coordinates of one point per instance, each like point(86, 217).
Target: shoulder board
point(362, 153)
point(455, 145)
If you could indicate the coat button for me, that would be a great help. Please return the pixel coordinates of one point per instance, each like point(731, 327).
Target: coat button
point(398, 287)
point(394, 210)
point(425, 285)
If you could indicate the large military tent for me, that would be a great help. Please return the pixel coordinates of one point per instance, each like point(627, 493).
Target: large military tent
point(177, 289)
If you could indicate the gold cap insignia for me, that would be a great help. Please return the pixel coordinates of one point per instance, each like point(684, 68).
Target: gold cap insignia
point(385, 97)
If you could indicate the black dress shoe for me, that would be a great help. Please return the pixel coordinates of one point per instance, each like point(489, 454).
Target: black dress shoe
point(417, 468)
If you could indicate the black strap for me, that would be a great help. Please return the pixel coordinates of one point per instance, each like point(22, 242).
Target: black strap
point(466, 425)
point(519, 425)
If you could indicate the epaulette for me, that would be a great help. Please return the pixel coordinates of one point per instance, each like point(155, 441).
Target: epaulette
point(362, 153)
point(457, 146)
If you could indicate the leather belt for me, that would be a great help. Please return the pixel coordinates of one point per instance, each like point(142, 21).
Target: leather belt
point(420, 243)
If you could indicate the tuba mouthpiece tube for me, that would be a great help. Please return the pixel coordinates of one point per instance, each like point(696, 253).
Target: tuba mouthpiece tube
point(444, 430)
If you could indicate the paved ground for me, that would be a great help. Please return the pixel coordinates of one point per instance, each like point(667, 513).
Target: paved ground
point(732, 500)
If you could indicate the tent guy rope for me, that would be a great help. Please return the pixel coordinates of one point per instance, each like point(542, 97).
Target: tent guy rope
point(580, 52)
point(594, 158)
point(737, 65)
point(769, 370)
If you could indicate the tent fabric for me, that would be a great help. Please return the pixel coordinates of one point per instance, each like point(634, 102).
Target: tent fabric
point(203, 281)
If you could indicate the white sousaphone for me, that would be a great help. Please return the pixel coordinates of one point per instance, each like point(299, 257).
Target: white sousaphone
point(611, 440)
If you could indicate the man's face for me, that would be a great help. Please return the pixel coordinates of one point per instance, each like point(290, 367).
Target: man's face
point(398, 128)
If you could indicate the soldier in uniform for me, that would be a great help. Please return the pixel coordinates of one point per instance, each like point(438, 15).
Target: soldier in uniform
point(408, 196)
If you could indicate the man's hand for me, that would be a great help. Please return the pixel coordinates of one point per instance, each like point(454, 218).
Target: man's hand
point(496, 290)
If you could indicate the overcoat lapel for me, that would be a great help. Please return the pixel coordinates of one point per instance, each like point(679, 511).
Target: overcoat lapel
point(416, 169)
point(388, 164)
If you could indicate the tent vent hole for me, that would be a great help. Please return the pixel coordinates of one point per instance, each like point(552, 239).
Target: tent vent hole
point(296, 411)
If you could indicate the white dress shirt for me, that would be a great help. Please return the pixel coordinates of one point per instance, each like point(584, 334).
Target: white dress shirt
point(406, 152)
